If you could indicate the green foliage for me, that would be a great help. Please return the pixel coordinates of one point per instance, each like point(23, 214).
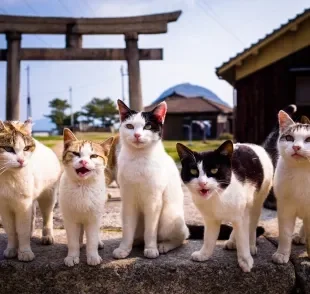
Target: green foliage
point(226, 136)
point(58, 116)
point(101, 109)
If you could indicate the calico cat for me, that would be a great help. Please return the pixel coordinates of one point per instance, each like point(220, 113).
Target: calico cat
point(82, 195)
point(29, 171)
point(270, 145)
point(150, 185)
point(228, 184)
point(291, 184)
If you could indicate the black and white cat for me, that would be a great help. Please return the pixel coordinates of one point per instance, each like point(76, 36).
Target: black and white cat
point(150, 185)
point(228, 184)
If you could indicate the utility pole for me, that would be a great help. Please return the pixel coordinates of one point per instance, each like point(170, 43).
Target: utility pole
point(71, 108)
point(123, 74)
point(28, 93)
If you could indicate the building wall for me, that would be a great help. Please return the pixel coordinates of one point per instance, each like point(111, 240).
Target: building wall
point(174, 130)
point(262, 94)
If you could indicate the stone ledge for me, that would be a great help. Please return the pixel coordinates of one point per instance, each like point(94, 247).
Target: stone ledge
point(171, 273)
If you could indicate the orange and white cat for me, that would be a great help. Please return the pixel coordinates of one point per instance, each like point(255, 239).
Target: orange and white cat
point(82, 195)
point(29, 171)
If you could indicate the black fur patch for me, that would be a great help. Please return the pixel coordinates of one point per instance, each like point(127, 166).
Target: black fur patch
point(210, 160)
point(244, 163)
point(150, 118)
point(247, 166)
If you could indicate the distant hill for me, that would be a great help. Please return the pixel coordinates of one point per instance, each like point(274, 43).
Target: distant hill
point(43, 124)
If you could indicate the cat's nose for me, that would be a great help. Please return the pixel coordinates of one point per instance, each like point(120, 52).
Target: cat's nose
point(296, 148)
point(137, 136)
point(202, 184)
point(83, 162)
point(20, 161)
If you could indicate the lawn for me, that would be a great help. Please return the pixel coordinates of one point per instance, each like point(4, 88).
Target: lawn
point(51, 141)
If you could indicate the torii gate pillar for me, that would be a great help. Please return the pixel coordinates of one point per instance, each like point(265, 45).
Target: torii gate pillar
point(132, 57)
point(13, 76)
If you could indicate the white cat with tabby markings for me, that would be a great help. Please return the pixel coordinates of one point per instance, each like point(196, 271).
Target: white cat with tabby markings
point(291, 185)
point(228, 184)
point(29, 171)
point(150, 185)
point(82, 195)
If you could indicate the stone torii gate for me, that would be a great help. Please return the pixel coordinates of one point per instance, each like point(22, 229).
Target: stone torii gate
point(74, 29)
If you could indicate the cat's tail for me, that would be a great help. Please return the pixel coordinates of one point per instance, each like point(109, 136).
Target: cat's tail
point(197, 232)
point(290, 109)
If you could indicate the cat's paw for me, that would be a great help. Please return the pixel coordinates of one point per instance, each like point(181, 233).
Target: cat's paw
point(10, 252)
point(100, 245)
point(94, 259)
point(280, 258)
point(246, 263)
point(164, 247)
point(25, 255)
point(151, 252)
point(253, 250)
point(230, 245)
point(119, 253)
point(47, 240)
point(71, 260)
point(299, 240)
point(199, 256)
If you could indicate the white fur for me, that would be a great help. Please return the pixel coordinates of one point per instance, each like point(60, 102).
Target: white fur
point(291, 187)
point(20, 186)
point(82, 201)
point(152, 197)
point(239, 204)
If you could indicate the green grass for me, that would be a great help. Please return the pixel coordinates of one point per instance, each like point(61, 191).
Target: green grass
point(51, 141)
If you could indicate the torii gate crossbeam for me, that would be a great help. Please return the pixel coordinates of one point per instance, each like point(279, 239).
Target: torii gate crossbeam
point(74, 29)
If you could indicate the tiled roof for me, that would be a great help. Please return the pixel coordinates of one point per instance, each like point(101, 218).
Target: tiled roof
point(299, 17)
point(180, 104)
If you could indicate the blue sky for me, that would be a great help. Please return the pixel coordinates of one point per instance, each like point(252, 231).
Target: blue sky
point(207, 34)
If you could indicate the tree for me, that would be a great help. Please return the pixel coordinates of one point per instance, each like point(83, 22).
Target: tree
point(58, 116)
point(102, 109)
point(76, 115)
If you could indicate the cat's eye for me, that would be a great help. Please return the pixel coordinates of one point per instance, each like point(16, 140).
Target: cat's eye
point(307, 140)
point(214, 171)
point(194, 172)
point(289, 138)
point(129, 126)
point(94, 156)
point(9, 149)
point(76, 153)
point(27, 148)
point(148, 127)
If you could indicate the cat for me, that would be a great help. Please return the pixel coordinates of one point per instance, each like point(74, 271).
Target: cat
point(82, 195)
point(150, 185)
point(29, 171)
point(270, 145)
point(228, 184)
point(291, 184)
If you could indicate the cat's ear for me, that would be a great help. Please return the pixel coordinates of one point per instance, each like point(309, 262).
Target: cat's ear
point(184, 152)
point(123, 109)
point(304, 120)
point(106, 145)
point(2, 126)
point(285, 121)
point(160, 112)
point(27, 126)
point(69, 136)
point(226, 149)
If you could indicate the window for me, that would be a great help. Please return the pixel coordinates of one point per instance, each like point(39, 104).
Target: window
point(303, 91)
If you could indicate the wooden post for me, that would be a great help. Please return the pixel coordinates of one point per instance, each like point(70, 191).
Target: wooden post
point(132, 56)
point(13, 76)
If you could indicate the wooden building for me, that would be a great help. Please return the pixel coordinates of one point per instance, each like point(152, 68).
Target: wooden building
point(271, 74)
point(197, 106)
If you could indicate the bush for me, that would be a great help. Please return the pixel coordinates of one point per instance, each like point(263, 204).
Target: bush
point(226, 136)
